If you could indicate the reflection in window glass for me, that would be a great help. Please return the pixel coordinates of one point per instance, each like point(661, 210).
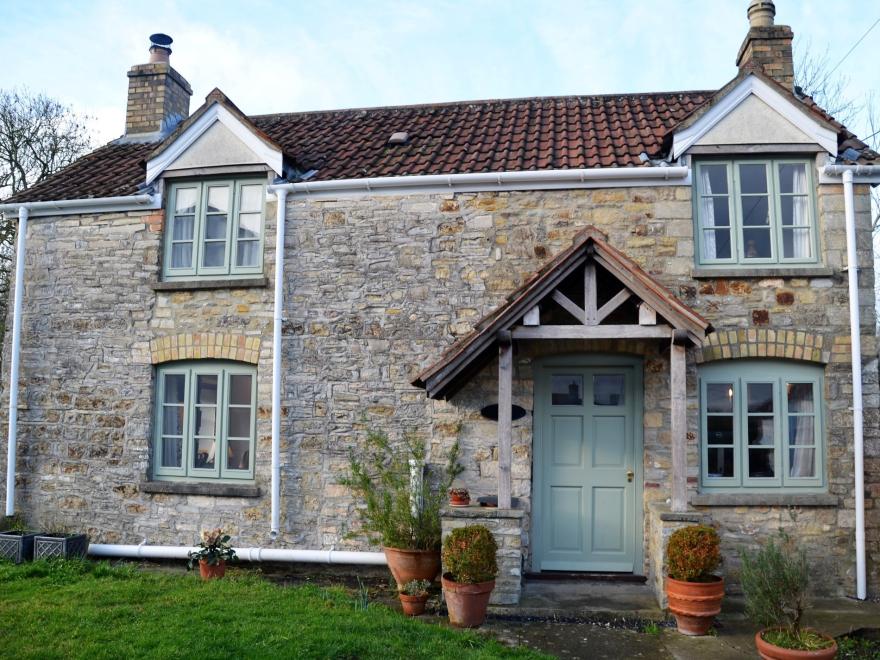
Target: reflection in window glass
point(608, 389)
point(567, 390)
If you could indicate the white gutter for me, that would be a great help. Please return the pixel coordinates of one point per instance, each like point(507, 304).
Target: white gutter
point(20, 254)
point(94, 205)
point(277, 321)
point(847, 172)
point(600, 177)
point(246, 554)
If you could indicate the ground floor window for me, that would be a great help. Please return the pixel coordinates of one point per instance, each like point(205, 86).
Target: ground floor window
point(205, 420)
point(761, 424)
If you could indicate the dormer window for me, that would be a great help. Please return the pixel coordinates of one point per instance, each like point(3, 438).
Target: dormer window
point(755, 212)
point(214, 228)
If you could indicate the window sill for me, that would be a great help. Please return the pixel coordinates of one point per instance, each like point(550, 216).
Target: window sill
point(755, 271)
point(206, 284)
point(764, 499)
point(189, 488)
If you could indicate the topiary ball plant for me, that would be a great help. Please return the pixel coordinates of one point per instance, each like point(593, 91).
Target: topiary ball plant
point(469, 555)
point(693, 554)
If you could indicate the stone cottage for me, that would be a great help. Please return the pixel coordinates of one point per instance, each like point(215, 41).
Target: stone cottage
point(632, 311)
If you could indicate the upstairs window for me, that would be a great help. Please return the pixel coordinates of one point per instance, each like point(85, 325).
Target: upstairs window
point(214, 229)
point(755, 212)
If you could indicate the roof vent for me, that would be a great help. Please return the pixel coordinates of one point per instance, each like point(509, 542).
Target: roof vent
point(400, 137)
point(160, 47)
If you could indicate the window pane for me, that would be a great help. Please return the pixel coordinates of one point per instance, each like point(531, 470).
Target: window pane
point(719, 397)
point(720, 462)
point(215, 227)
point(215, 254)
point(608, 389)
point(181, 255)
point(175, 385)
point(760, 397)
point(752, 178)
point(172, 420)
point(206, 389)
point(795, 210)
point(761, 463)
point(754, 211)
point(249, 225)
point(761, 431)
point(218, 199)
point(802, 462)
point(793, 178)
point(185, 201)
point(715, 212)
point(713, 179)
point(796, 244)
point(239, 422)
point(567, 391)
point(205, 418)
point(204, 451)
point(172, 452)
point(716, 244)
point(800, 397)
point(248, 253)
point(801, 430)
point(183, 228)
point(238, 455)
point(757, 243)
point(240, 390)
point(719, 430)
point(251, 198)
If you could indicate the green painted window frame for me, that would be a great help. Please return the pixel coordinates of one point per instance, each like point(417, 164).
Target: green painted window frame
point(229, 269)
point(191, 370)
point(738, 374)
point(774, 190)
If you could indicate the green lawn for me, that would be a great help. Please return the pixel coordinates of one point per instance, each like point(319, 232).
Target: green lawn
point(86, 609)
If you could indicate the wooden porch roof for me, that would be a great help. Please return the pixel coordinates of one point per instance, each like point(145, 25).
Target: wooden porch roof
point(470, 353)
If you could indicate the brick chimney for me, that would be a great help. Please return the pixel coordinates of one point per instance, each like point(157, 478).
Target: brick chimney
point(158, 96)
point(767, 45)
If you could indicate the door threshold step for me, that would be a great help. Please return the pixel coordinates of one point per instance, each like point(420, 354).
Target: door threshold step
point(586, 576)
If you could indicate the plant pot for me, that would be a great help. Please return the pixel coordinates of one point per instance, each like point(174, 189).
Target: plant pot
point(408, 565)
point(770, 651)
point(60, 546)
point(212, 572)
point(459, 501)
point(17, 546)
point(466, 603)
point(413, 605)
point(694, 604)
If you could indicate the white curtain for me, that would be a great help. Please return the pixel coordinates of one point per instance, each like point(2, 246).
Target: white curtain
point(802, 458)
point(800, 214)
point(707, 215)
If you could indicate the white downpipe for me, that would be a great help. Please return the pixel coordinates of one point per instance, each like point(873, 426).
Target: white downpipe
point(856, 358)
point(245, 554)
point(15, 358)
point(277, 320)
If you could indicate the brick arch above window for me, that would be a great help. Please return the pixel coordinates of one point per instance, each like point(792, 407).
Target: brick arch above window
point(205, 345)
point(765, 343)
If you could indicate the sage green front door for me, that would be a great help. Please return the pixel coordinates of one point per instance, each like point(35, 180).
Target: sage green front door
point(585, 468)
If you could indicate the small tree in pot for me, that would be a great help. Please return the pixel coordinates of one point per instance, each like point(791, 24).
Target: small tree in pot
point(213, 553)
point(413, 597)
point(693, 591)
point(775, 581)
point(471, 566)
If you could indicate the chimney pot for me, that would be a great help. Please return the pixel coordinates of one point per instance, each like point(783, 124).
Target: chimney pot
point(761, 13)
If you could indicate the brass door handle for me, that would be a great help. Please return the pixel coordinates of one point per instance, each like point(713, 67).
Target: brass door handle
point(629, 475)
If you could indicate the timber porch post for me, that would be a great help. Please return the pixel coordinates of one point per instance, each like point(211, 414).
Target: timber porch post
point(505, 400)
point(678, 427)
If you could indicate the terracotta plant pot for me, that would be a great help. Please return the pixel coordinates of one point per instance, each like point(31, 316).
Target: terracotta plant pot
point(770, 652)
point(455, 500)
point(466, 603)
point(694, 604)
point(209, 572)
point(413, 605)
point(408, 565)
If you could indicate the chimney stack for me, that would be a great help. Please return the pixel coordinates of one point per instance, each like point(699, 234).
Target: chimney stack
point(158, 96)
point(767, 45)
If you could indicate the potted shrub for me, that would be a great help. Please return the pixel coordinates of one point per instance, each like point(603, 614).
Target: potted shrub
point(213, 553)
point(693, 590)
point(413, 597)
point(459, 497)
point(471, 567)
point(402, 499)
point(774, 581)
point(16, 541)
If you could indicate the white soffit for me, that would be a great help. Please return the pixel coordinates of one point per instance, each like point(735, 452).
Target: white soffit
point(813, 130)
point(262, 151)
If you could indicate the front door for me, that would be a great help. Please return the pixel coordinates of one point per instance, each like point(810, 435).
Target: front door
point(586, 467)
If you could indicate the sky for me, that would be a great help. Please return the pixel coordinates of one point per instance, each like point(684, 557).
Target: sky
point(293, 56)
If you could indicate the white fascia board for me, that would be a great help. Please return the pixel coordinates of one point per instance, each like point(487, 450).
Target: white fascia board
point(268, 154)
point(684, 139)
point(96, 205)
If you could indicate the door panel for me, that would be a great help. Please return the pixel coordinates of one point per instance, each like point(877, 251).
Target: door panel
point(585, 502)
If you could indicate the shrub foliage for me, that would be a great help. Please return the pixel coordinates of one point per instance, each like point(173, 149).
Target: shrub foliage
point(693, 554)
point(469, 555)
point(774, 581)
